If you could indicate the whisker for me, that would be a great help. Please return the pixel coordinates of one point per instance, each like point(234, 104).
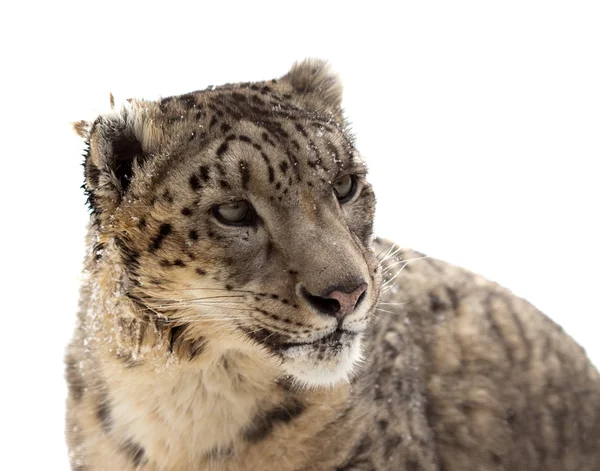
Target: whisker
point(390, 255)
point(205, 297)
point(406, 261)
point(389, 250)
point(386, 311)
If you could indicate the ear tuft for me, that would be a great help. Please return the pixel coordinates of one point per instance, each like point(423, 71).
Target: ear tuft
point(82, 128)
point(319, 86)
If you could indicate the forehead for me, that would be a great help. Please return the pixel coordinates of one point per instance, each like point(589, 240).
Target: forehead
point(262, 124)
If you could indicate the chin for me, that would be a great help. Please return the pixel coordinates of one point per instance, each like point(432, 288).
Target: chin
point(323, 363)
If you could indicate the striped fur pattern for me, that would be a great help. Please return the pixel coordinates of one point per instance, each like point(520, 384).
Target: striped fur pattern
point(202, 344)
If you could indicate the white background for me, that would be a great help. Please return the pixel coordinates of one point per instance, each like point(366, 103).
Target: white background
point(480, 121)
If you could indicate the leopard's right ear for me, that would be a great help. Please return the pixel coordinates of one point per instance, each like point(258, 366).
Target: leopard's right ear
point(114, 152)
point(316, 85)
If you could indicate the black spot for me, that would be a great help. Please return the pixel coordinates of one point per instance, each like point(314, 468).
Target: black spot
point(103, 413)
point(142, 223)
point(200, 271)
point(454, 298)
point(364, 446)
point(391, 444)
point(179, 263)
point(163, 103)
point(225, 127)
point(197, 347)
point(213, 121)
point(193, 234)
point(238, 96)
point(264, 424)
point(129, 256)
point(163, 231)
point(271, 174)
point(222, 149)
point(224, 184)
point(218, 453)
point(301, 129)
point(195, 183)
point(188, 100)
point(435, 303)
point(245, 175)
point(167, 196)
point(509, 416)
point(74, 379)
point(134, 451)
point(175, 334)
point(97, 250)
point(412, 465)
point(186, 211)
point(204, 173)
point(284, 167)
point(244, 139)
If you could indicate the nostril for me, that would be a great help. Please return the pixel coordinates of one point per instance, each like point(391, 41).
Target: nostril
point(336, 303)
point(360, 298)
point(325, 305)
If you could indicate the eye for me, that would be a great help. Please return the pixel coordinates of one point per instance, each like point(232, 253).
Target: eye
point(344, 188)
point(236, 213)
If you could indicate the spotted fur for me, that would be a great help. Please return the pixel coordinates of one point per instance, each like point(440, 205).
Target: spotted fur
point(202, 345)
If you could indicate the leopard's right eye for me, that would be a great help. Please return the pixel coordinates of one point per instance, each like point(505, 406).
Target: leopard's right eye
point(344, 188)
point(236, 213)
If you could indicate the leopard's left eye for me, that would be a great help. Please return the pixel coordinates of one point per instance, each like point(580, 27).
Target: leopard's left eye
point(236, 213)
point(345, 187)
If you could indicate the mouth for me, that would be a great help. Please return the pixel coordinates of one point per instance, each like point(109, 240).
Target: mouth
point(337, 339)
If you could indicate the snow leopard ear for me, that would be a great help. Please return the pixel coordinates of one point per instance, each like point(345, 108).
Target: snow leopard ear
point(114, 152)
point(319, 87)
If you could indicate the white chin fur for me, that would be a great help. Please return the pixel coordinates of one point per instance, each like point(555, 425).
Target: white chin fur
point(303, 365)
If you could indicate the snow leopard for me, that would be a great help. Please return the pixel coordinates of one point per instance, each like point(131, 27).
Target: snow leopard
point(238, 313)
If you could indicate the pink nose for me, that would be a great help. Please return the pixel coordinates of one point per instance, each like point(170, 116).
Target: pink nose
point(347, 301)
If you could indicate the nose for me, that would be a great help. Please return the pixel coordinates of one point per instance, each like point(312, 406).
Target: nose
point(337, 302)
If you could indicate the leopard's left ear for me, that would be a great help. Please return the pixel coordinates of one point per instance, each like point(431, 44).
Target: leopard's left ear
point(318, 86)
point(117, 149)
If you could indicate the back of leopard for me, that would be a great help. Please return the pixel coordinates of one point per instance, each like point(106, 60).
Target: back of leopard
point(237, 313)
